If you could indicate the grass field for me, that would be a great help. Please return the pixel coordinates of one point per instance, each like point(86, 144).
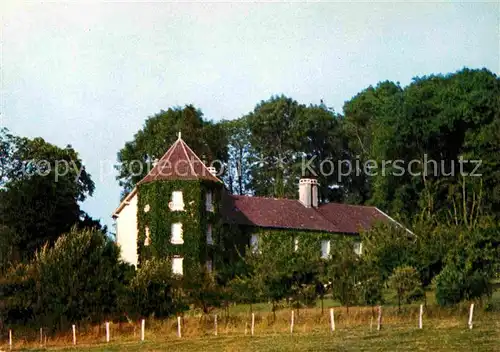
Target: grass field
point(445, 329)
point(391, 338)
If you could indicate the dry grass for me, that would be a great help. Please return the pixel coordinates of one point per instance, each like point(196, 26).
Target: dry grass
point(310, 325)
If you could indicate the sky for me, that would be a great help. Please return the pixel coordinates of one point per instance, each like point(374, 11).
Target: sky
point(89, 74)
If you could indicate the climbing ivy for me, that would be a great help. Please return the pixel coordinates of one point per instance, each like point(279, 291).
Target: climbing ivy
point(194, 218)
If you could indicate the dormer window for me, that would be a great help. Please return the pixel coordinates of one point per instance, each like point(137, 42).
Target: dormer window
point(209, 234)
point(147, 240)
point(177, 203)
point(208, 201)
point(325, 249)
point(177, 233)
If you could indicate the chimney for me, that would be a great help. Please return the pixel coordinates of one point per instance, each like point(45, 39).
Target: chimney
point(308, 192)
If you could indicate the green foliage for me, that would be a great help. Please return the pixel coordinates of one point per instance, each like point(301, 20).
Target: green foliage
point(450, 286)
point(405, 282)
point(40, 187)
point(80, 278)
point(470, 266)
point(195, 219)
point(343, 268)
point(237, 175)
point(371, 285)
point(202, 290)
point(154, 290)
point(386, 247)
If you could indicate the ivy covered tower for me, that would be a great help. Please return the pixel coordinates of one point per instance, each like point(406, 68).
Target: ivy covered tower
point(178, 210)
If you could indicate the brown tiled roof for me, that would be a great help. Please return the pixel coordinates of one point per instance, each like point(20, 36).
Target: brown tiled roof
point(291, 214)
point(352, 218)
point(179, 163)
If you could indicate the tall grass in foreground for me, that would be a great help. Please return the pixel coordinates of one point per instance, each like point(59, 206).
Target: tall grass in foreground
point(307, 321)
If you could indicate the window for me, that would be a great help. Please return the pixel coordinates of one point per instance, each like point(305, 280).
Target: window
point(147, 240)
point(209, 265)
point(296, 244)
point(254, 243)
point(177, 233)
point(177, 203)
point(209, 234)
point(358, 248)
point(177, 265)
point(208, 201)
point(325, 249)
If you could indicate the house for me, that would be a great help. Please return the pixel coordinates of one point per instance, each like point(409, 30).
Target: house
point(181, 210)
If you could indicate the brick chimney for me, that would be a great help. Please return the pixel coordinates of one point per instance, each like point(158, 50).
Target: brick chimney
point(308, 192)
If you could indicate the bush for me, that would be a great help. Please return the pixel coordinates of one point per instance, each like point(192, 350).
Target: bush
point(454, 285)
point(405, 281)
point(154, 290)
point(80, 278)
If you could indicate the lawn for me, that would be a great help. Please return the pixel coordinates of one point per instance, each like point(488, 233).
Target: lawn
point(445, 329)
point(391, 338)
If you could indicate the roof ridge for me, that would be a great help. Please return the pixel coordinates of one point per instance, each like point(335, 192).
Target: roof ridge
point(263, 197)
point(187, 156)
point(197, 157)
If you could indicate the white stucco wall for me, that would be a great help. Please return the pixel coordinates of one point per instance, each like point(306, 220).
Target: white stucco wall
point(126, 231)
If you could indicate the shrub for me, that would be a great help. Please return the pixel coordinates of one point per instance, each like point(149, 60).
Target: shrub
point(454, 285)
point(405, 281)
point(79, 278)
point(154, 290)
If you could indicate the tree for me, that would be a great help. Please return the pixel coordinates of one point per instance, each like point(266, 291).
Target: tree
point(79, 278)
point(405, 281)
point(272, 126)
point(39, 200)
point(471, 264)
point(153, 291)
point(343, 268)
point(202, 290)
point(237, 175)
point(387, 246)
point(207, 139)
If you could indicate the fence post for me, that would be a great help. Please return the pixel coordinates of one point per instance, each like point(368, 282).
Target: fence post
point(107, 331)
point(420, 322)
point(379, 320)
point(41, 336)
point(332, 320)
point(292, 321)
point(371, 323)
point(74, 334)
point(179, 333)
point(10, 338)
point(253, 324)
point(471, 312)
point(143, 325)
point(215, 324)
point(246, 327)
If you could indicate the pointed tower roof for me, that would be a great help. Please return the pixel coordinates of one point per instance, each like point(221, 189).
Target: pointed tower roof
point(179, 163)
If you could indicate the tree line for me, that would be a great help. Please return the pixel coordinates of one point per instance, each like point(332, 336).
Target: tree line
point(48, 245)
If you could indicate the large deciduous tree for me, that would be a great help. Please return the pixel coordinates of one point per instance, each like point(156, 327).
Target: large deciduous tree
point(41, 189)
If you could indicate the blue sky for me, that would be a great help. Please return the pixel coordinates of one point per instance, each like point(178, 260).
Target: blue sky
point(89, 74)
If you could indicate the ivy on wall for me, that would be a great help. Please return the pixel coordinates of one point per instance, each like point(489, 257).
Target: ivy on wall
point(230, 241)
point(194, 218)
